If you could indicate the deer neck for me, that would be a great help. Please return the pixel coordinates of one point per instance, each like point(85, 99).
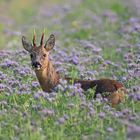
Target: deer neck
point(48, 77)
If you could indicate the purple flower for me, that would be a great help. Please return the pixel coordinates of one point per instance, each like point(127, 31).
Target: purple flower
point(91, 111)
point(2, 76)
point(136, 27)
point(22, 71)
point(133, 20)
point(36, 107)
point(24, 89)
point(2, 87)
point(61, 120)
point(75, 90)
point(21, 53)
point(88, 44)
point(106, 108)
point(48, 112)
point(24, 114)
point(128, 56)
point(102, 115)
point(39, 94)
point(109, 129)
point(112, 17)
point(133, 131)
point(9, 63)
point(73, 60)
point(35, 84)
point(66, 117)
point(13, 83)
point(5, 54)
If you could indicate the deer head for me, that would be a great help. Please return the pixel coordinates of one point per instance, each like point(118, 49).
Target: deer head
point(39, 54)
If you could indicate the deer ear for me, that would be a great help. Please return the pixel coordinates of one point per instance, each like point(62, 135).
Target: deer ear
point(50, 43)
point(26, 44)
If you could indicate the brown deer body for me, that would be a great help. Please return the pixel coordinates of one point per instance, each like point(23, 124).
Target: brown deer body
point(49, 78)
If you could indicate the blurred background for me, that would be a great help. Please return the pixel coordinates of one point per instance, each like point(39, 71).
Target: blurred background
point(22, 17)
point(76, 19)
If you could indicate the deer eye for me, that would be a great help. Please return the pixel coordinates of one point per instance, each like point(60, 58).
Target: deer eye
point(44, 55)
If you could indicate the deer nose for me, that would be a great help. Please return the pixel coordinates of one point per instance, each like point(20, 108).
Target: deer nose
point(36, 65)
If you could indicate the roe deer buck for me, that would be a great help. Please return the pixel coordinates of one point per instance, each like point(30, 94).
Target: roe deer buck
point(49, 78)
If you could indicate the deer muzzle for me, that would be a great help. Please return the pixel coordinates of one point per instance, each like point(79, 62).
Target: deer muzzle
point(36, 65)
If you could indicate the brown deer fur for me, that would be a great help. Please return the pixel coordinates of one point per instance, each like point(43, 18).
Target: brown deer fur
point(49, 78)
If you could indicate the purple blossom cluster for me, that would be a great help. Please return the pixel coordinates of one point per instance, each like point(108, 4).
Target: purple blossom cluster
point(133, 25)
point(134, 93)
point(111, 16)
point(12, 73)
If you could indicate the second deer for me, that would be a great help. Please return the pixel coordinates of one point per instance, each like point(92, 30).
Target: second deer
point(49, 78)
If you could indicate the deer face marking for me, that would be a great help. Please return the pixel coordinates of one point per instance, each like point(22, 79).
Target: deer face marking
point(39, 58)
point(39, 54)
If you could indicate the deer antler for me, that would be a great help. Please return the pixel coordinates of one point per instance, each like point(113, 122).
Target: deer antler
point(42, 39)
point(34, 39)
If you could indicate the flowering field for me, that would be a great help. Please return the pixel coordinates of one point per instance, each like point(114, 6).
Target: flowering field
point(94, 39)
